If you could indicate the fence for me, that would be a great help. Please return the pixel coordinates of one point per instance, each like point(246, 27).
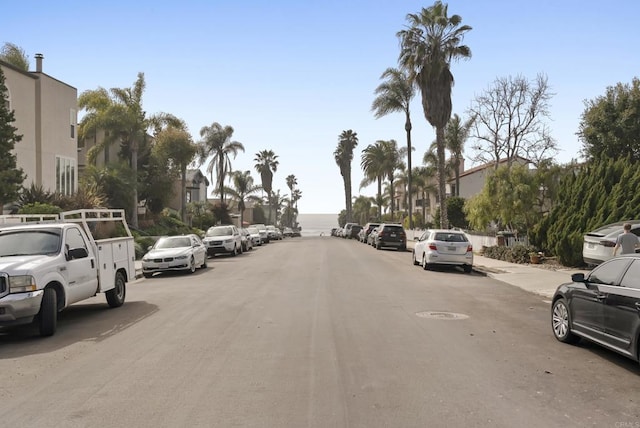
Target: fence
point(479, 241)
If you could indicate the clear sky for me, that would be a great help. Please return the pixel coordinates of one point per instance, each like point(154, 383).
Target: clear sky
point(290, 76)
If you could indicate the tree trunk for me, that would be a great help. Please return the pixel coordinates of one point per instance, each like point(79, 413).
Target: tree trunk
point(442, 189)
point(221, 178)
point(134, 167)
point(183, 195)
point(393, 200)
point(407, 128)
point(379, 198)
point(347, 198)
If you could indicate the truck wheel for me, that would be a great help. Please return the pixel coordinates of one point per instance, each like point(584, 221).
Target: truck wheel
point(48, 315)
point(115, 296)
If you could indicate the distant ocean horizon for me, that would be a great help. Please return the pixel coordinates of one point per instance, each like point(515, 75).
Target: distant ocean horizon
point(315, 224)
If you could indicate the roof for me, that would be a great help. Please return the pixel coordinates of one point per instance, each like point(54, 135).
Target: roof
point(491, 165)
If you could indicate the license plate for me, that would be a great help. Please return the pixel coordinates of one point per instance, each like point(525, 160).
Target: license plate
point(393, 235)
point(451, 248)
point(591, 246)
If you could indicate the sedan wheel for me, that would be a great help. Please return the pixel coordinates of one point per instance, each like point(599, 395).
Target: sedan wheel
point(561, 322)
point(425, 265)
point(415, 262)
point(192, 265)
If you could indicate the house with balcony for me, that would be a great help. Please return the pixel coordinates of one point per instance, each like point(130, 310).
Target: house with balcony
point(45, 111)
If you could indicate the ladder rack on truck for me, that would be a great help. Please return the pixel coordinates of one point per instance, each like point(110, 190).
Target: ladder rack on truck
point(111, 237)
point(28, 218)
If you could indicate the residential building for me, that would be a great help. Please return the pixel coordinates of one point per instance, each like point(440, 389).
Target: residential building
point(472, 180)
point(196, 189)
point(45, 111)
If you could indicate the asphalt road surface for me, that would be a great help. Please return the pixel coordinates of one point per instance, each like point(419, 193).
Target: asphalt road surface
point(313, 332)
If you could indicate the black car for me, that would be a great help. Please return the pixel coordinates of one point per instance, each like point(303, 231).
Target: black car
point(602, 307)
point(391, 235)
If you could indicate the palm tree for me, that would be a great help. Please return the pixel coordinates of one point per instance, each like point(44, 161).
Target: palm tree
point(362, 208)
point(395, 95)
point(216, 143)
point(278, 202)
point(423, 176)
point(455, 136)
point(393, 162)
point(266, 165)
point(120, 114)
point(428, 46)
point(343, 155)
point(372, 162)
point(176, 146)
point(242, 190)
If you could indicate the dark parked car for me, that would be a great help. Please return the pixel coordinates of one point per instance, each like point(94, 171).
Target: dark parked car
point(354, 230)
point(391, 235)
point(602, 306)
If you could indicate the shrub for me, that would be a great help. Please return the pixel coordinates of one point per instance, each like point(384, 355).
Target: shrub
point(515, 254)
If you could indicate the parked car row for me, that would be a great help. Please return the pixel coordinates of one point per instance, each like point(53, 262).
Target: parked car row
point(190, 252)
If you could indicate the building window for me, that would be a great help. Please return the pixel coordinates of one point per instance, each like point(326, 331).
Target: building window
point(65, 175)
point(72, 122)
point(188, 197)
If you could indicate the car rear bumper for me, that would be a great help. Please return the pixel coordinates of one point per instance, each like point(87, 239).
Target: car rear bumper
point(449, 259)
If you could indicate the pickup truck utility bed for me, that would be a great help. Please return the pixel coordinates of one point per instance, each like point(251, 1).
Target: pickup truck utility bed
point(48, 262)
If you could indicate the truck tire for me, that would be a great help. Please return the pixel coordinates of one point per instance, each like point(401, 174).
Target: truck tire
point(115, 296)
point(48, 315)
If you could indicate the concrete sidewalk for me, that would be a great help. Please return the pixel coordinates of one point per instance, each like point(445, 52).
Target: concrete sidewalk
point(533, 278)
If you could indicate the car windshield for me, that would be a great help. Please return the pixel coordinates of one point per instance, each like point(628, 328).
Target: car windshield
point(450, 237)
point(173, 242)
point(220, 231)
point(253, 230)
point(30, 242)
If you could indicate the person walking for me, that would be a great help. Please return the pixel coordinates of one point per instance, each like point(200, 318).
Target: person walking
point(627, 241)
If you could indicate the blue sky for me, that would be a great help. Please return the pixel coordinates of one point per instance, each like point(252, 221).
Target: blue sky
point(290, 76)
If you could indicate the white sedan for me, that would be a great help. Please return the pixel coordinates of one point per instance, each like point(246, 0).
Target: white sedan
point(182, 253)
point(443, 247)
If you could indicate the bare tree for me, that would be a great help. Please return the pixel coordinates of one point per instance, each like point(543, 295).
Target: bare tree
point(509, 121)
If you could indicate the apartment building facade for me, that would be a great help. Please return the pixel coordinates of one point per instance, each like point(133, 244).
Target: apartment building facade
point(45, 111)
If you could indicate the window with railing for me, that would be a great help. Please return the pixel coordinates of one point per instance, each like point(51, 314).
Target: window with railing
point(65, 175)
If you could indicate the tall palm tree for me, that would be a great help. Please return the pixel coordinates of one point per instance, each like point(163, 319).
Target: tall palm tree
point(266, 166)
point(343, 155)
point(424, 185)
point(393, 162)
point(395, 95)
point(242, 191)
point(278, 202)
point(428, 46)
point(216, 143)
point(291, 181)
point(455, 135)
point(372, 162)
point(120, 114)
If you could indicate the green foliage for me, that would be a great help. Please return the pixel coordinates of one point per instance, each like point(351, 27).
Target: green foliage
point(598, 193)
point(221, 213)
point(342, 218)
point(11, 177)
point(455, 213)
point(142, 244)
point(513, 254)
point(38, 208)
point(609, 127)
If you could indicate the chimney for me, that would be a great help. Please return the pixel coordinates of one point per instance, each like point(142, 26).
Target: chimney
point(39, 59)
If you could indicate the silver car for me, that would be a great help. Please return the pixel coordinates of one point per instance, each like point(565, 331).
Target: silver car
point(443, 247)
point(598, 245)
point(171, 253)
point(223, 239)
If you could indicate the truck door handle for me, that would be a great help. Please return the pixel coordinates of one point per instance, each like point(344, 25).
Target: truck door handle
point(93, 265)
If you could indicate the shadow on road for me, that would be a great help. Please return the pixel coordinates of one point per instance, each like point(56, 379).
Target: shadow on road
point(91, 322)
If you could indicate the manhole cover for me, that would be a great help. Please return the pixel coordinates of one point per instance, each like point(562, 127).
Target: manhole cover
point(442, 315)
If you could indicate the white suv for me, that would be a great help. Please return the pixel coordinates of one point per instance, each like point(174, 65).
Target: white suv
point(223, 239)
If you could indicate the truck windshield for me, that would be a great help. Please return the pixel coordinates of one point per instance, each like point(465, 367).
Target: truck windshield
point(29, 242)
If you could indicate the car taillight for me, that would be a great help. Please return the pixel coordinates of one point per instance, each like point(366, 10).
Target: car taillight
point(433, 247)
point(608, 243)
point(470, 249)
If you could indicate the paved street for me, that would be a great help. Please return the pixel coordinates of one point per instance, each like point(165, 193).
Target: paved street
point(313, 332)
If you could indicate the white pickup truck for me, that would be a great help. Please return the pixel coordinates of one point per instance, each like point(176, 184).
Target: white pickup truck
point(48, 262)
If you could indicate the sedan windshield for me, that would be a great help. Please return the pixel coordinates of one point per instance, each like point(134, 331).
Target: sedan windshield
point(29, 242)
point(173, 242)
point(220, 231)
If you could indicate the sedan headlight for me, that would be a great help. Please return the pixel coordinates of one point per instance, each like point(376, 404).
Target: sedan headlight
point(22, 284)
point(182, 257)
